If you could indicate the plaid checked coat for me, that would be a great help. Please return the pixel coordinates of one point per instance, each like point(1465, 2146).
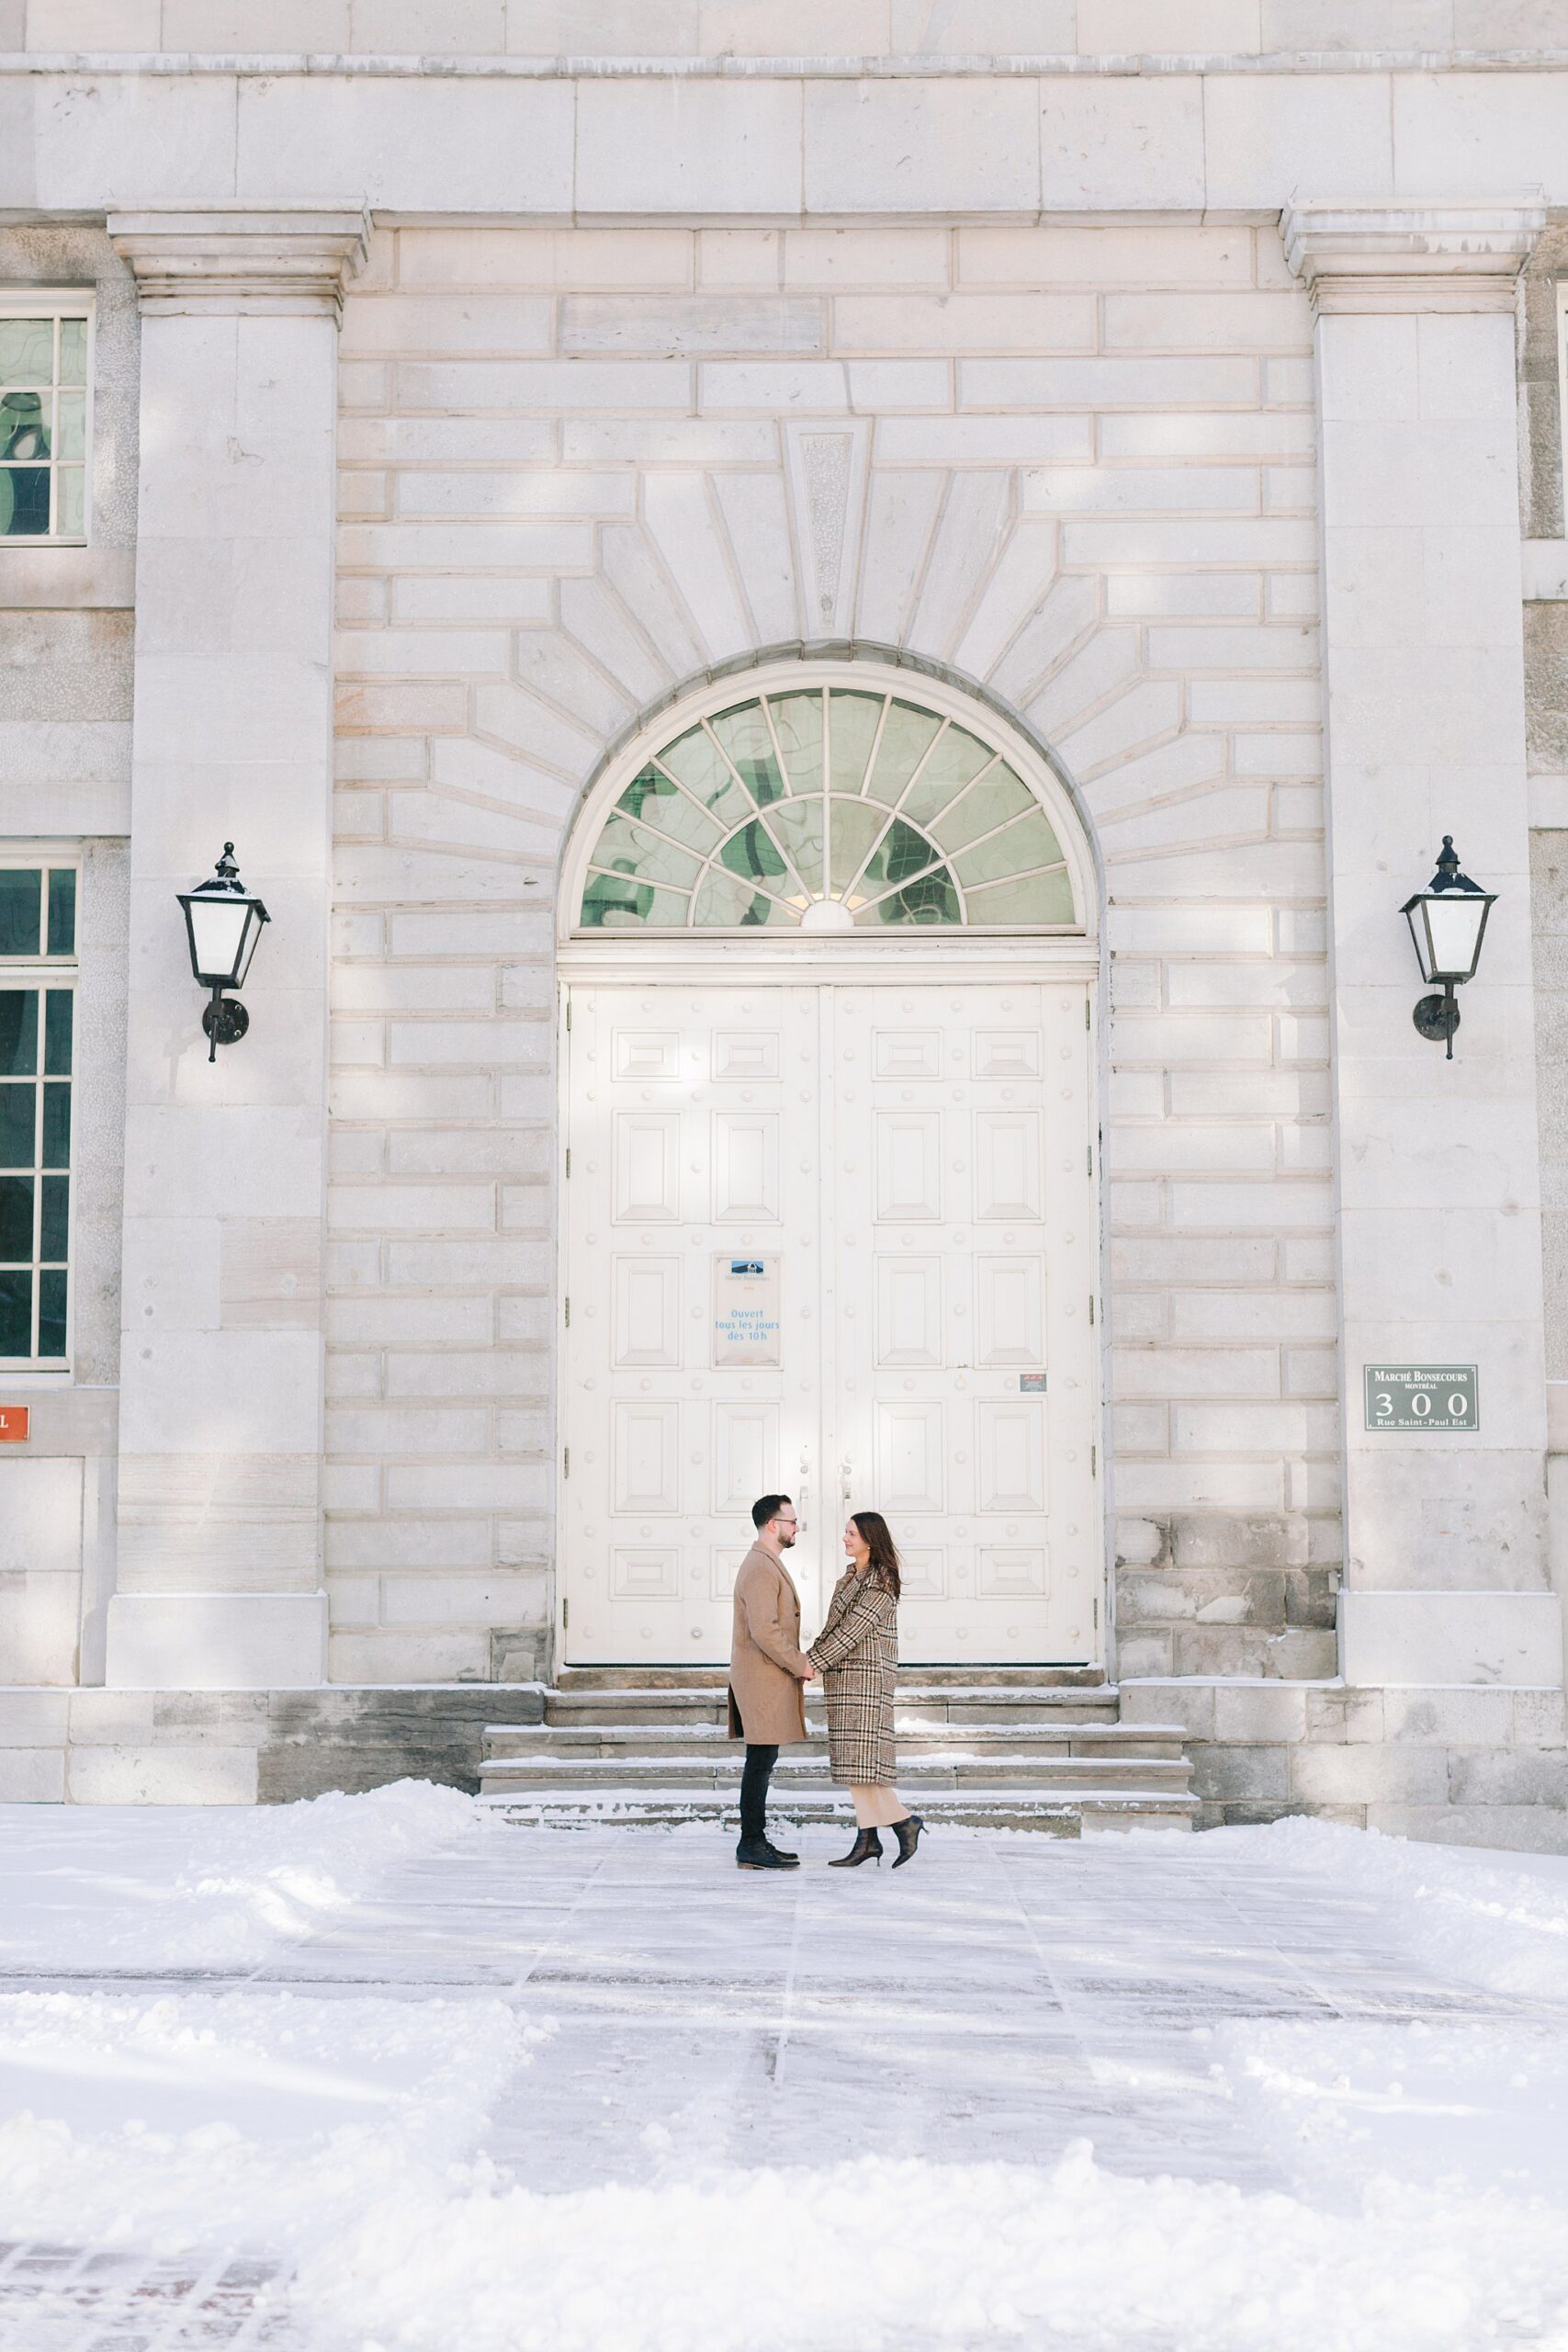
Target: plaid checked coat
point(857, 1656)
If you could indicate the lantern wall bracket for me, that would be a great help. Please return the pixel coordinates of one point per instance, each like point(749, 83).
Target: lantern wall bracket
point(224, 1021)
point(1436, 1018)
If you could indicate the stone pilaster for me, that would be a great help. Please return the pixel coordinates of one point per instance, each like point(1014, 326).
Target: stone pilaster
point(219, 1581)
point(1439, 1212)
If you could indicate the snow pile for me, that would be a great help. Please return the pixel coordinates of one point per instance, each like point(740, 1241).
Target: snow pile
point(191, 1886)
point(272, 2123)
point(1497, 1920)
point(907, 2254)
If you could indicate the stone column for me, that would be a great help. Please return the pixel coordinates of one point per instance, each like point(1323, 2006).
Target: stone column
point(1439, 1162)
point(219, 1577)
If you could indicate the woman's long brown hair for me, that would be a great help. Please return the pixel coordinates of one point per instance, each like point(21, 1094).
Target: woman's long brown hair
point(883, 1561)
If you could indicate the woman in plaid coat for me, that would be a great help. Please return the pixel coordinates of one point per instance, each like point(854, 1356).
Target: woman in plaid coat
point(857, 1656)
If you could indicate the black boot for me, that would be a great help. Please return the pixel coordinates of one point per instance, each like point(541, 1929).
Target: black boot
point(867, 1844)
point(756, 1854)
point(908, 1833)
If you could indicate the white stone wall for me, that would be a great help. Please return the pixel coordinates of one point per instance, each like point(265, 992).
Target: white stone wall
point(566, 489)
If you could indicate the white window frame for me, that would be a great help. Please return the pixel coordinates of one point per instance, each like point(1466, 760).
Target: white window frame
point(53, 302)
point(41, 972)
point(1563, 391)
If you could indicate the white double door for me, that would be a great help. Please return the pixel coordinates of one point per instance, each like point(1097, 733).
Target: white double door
point(835, 1240)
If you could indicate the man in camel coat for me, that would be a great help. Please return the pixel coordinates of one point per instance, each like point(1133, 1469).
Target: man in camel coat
point(767, 1674)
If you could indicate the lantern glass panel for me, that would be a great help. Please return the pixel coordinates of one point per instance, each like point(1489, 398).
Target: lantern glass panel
point(218, 933)
point(248, 947)
point(1453, 927)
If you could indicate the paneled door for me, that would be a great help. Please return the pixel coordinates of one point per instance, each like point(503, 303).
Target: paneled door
point(692, 1354)
point(841, 1240)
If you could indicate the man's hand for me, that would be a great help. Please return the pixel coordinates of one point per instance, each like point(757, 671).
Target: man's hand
point(810, 1673)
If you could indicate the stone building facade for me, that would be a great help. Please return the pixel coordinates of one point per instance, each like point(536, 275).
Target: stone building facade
point(465, 424)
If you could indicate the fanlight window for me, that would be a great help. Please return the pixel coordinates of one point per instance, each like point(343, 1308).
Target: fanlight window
point(828, 809)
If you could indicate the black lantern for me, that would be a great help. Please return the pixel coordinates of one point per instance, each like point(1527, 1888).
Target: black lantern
point(1448, 923)
point(223, 922)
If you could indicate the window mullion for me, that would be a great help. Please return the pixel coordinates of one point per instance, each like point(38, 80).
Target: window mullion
point(39, 1033)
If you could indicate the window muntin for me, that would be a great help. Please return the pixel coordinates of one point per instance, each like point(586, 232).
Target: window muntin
point(37, 937)
point(782, 801)
point(44, 424)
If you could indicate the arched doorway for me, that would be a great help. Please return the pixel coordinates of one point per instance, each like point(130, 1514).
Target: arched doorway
point(829, 1218)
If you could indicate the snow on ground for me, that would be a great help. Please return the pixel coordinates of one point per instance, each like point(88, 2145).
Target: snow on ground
point(185, 1886)
point(1286, 2090)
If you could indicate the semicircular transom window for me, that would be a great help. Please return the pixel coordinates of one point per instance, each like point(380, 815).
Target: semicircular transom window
point(827, 808)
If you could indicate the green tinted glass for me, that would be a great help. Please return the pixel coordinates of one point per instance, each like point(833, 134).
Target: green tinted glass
point(51, 1312)
point(21, 911)
point(853, 720)
point(798, 722)
point(1028, 898)
point(16, 1313)
point(743, 735)
point(63, 912)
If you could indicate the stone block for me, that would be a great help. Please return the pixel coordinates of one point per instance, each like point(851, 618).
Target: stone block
point(656, 146)
point(39, 1624)
point(1448, 1718)
point(1122, 143)
point(1140, 1652)
point(32, 1775)
point(193, 1775)
point(1258, 1714)
point(1161, 1700)
point(1226, 1651)
point(1508, 1777)
point(1312, 1597)
point(1431, 1638)
point(1227, 1773)
point(431, 1655)
point(1338, 1715)
point(974, 147)
point(1540, 1719)
point(1362, 1774)
point(32, 1718)
point(215, 1641)
point(1520, 1829)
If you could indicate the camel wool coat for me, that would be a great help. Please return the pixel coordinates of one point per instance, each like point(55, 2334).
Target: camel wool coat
point(767, 1700)
point(857, 1656)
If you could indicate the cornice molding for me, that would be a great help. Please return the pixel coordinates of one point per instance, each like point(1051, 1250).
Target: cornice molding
point(1397, 256)
point(292, 260)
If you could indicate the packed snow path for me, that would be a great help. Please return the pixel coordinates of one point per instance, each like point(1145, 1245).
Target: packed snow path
point(1222, 2010)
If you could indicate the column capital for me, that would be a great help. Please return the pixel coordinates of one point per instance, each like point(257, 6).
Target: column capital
point(1391, 254)
point(234, 256)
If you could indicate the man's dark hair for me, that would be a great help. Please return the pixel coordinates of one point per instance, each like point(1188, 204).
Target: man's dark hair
point(767, 1507)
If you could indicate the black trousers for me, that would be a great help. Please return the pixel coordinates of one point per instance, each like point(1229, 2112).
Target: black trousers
point(754, 1778)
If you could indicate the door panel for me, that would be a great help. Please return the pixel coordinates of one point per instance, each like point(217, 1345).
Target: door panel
point(831, 1225)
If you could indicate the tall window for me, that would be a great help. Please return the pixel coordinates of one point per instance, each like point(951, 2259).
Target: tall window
point(43, 415)
point(38, 961)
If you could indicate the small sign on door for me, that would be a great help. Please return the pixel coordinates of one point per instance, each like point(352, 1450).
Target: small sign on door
point(746, 1329)
point(14, 1422)
point(1422, 1396)
point(1033, 1384)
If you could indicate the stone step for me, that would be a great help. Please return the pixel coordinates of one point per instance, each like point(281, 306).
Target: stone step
point(928, 1739)
point(1080, 1812)
point(715, 1677)
point(1036, 1774)
point(916, 1704)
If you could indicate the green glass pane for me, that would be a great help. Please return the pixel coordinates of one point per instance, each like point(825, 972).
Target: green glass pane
point(743, 732)
point(15, 1220)
point(797, 826)
point(16, 1314)
point(853, 721)
point(1029, 898)
point(932, 899)
point(1027, 842)
point(724, 903)
point(619, 902)
point(57, 1027)
point(63, 912)
point(21, 911)
point(695, 758)
point(73, 351)
point(54, 1223)
point(57, 1127)
point(854, 826)
point(52, 1313)
point(626, 848)
point(19, 1032)
point(68, 521)
point(24, 502)
point(27, 426)
point(906, 737)
point(71, 426)
point(662, 805)
point(754, 855)
point(901, 853)
point(19, 1126)
point(952, 763)
point(798, 722)
point(995, 799)
point(27, 351)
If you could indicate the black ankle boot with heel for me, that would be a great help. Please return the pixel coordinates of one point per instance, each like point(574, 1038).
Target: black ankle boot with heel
point(866, 1847)
point(908, 1833)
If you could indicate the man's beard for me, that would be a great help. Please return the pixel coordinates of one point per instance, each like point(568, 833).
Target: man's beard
point(786, 1539)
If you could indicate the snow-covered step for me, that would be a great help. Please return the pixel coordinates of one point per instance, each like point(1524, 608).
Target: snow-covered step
point(919, 1703)
point(1066, 1813)
point(610, 1740)
point(715, 1677)
point(676, 1773)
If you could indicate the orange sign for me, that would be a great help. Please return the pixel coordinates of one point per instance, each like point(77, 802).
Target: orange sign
point(13, 1424)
